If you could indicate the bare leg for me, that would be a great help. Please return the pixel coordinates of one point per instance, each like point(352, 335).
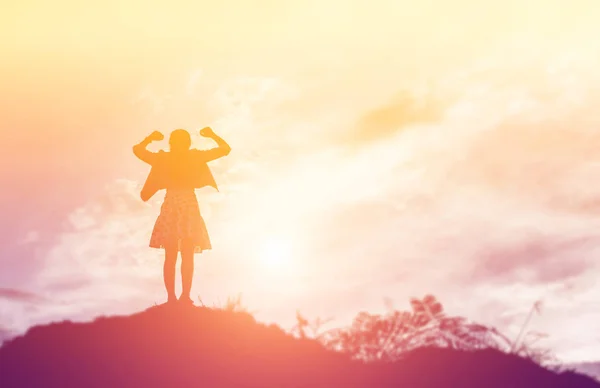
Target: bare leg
point(187, 268)
point(169, 270)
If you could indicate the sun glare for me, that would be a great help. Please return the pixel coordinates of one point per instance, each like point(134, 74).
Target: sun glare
point(276, 253)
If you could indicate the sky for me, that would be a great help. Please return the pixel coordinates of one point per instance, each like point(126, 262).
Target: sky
point(382, 150)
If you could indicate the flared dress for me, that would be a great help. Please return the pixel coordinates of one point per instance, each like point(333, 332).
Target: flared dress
point(180, 220)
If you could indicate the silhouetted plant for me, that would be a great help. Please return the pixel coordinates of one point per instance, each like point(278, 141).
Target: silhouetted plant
point(303, 326)
point(387, 337)
point(234, 304)
point(525, 345)
point(528, 348)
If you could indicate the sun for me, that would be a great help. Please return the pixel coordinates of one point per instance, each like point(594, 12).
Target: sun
point(276, 253)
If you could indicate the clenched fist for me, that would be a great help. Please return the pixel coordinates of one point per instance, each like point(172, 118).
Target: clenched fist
point(156, 136)
point(207, 132)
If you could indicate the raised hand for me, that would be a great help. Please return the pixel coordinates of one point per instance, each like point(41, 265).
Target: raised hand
point(207, 132)
point(156, 136)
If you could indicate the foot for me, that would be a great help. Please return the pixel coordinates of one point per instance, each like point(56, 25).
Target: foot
point(185, 299)
point(171, 299)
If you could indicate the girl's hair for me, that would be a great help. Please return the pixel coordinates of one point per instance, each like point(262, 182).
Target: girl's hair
point(180, 139)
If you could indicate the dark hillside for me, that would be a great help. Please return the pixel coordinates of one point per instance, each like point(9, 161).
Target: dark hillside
point(193, 346)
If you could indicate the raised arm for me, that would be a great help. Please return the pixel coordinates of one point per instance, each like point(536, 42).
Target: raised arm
point(222, 149)
point(140, 150)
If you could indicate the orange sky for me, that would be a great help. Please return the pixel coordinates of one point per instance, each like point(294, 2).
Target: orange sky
point(386, 149)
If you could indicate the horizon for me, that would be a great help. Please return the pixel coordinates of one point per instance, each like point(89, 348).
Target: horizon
point(380, 152)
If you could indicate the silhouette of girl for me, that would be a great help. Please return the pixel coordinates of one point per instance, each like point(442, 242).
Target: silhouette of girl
point(179, 227)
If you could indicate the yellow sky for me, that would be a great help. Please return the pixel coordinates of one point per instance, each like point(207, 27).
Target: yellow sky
point(54, 51)
point(246, 30)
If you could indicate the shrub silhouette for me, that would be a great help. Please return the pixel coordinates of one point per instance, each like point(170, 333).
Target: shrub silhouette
point(186, 346)
point(388, 337)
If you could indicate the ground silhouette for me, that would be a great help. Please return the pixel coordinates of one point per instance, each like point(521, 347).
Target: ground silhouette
point(187, 346)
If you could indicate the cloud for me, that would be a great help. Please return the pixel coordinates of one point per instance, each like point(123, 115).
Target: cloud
point(98, 254)
point(538, 259)
point(19, 295)
point(491, 207)
point(405, 109)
